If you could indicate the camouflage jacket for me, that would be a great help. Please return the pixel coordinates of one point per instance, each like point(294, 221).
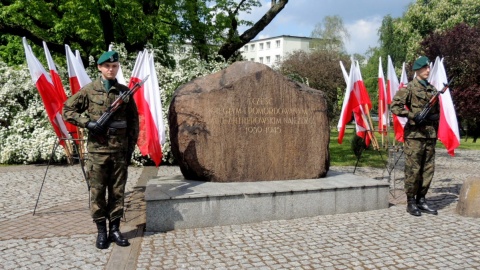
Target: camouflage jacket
point(90, 103)
point(409, 101)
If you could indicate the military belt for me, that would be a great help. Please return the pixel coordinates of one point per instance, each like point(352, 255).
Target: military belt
point(116, 127)
point(118, 124)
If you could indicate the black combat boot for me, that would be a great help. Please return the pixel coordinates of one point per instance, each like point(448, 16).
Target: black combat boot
point(115, 235)
point(102, 240)
point(412, 207)
point(423, 206)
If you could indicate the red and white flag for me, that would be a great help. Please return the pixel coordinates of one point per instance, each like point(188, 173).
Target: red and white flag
point(448, 132)
point(398, 121)
point(382, 101)
point(356, 101)
point(345, 113)
point(349, 101)
point(403, 77)
point(361, 113)
point(147, 99)
point(392, 81)
point(44, 84)
point(57, 81)
point(77, 75)
point(58, 85)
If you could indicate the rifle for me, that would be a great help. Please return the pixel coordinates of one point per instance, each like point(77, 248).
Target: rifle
point(420, 118)
point(103, 120)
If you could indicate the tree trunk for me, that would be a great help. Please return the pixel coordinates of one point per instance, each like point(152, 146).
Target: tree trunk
point(107, 26)
point(231, 46)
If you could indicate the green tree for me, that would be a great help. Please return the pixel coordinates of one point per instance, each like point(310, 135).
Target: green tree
point(423, 18)
point(389, 42)
point(91, 26)
point(459, 48)
point(330, 35)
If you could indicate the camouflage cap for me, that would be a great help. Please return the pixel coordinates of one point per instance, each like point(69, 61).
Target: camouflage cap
point(110, 56)
point(421, 62)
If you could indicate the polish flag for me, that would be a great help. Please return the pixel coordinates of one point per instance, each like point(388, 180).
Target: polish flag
point(79, 58)
point(346, 112)
point(398, 121)
point(361, 113)
point(51, 101)
point(403, 77)
point(57, 81)
point(147, 99)
point(355, 102)
point(77, 75)
point(392, 81)
point(382, 101)
point(448, 132)
point(393, 86)
point(58, 85)
point(120, 78)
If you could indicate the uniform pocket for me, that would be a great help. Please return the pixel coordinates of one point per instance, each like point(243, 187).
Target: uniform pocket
point(97, 100)
point(421, 95)
point(96, 106)
point(407, 149)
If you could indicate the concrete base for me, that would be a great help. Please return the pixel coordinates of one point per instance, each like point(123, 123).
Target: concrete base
point(176, 203)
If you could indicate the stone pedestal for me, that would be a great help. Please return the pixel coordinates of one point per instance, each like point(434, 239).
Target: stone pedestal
point(176, 203)
point(469, 198)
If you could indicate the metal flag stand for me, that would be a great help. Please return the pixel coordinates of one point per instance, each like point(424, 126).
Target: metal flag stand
point(77, 156)
point(395, 153)
point(375, 146)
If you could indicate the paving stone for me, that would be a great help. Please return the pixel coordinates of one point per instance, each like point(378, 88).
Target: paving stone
point(62, 236)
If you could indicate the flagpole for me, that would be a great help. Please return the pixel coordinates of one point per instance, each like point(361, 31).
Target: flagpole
point(374, 139)
point(381, 123)
point(369, 123)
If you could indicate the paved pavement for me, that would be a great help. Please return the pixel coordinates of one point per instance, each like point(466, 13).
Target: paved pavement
point(61, 235)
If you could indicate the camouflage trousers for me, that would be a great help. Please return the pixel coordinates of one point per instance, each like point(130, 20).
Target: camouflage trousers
point(107, 172)
point(419, 165)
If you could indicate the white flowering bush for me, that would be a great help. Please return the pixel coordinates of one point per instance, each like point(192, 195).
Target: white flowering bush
point(26, 135)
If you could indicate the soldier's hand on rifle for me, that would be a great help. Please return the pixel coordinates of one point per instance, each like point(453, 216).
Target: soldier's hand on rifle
point(433, 117)
point(418, 119)
point(95, 128)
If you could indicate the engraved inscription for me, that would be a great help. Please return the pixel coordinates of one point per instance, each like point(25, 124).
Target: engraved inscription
point(260, 116)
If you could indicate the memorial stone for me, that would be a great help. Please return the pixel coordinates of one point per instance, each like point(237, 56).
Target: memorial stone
point(469, 198)
point(249, 123)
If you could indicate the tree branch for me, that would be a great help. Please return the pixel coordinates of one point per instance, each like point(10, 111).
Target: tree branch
point(230, 47)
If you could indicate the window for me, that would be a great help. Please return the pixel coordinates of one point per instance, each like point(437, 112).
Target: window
point(277, 43)
point(268, 59)
point(277, 58)
point(268, 45)
point(261, 46)
point(260, 60)
point(245, 49)
point(252, 59)
point(252, 47)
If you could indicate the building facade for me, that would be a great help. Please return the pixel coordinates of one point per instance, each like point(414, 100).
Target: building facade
point(271, 51)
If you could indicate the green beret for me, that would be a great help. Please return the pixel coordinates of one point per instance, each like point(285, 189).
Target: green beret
point(110, 56)
point(420, 63)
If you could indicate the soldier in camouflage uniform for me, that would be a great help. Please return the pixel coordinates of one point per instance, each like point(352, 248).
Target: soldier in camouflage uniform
point(109, 147)
point(420, 136)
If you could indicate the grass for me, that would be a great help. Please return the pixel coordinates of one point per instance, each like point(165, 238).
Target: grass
point(343, 155)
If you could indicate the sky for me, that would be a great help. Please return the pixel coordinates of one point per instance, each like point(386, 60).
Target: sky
point(362, 18)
